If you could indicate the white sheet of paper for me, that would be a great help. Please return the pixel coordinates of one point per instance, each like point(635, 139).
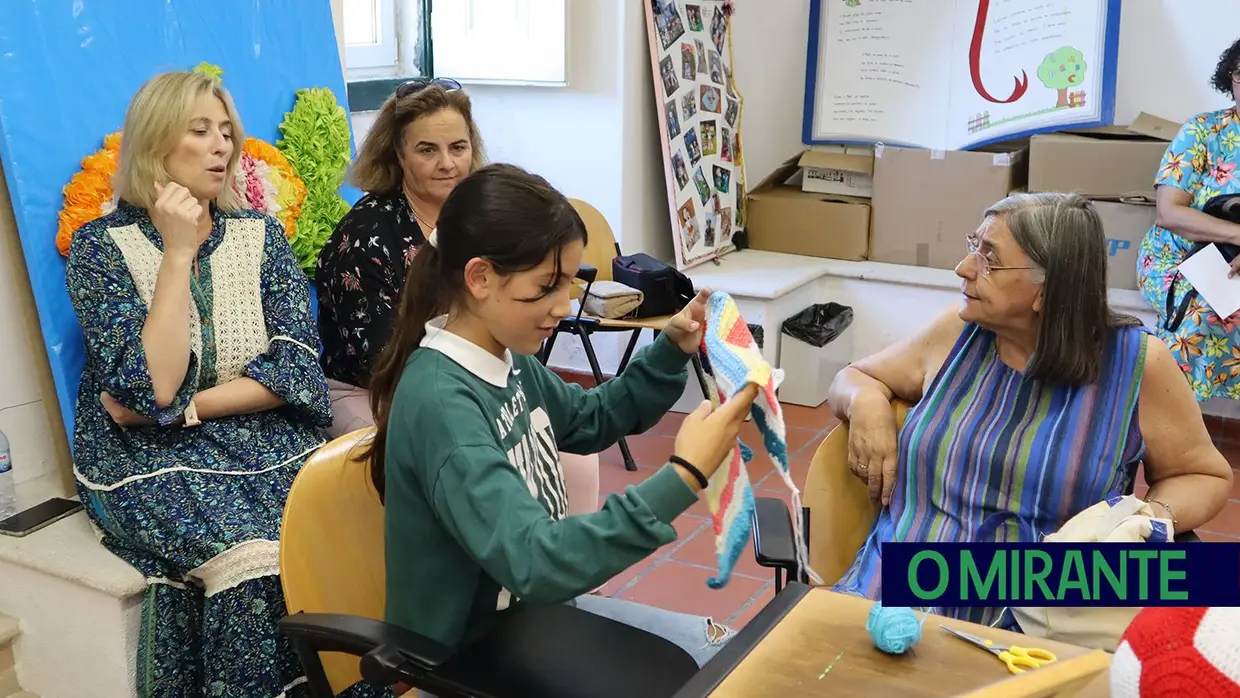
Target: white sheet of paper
point(1207, 272)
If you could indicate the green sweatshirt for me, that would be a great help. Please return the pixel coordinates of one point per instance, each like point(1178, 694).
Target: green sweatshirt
point(475, 501)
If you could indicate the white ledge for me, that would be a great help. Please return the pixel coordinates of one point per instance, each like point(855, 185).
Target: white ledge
point(769, 275)
point(70, 550)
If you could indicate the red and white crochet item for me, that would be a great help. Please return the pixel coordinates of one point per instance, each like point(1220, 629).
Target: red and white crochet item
point(1186, 652)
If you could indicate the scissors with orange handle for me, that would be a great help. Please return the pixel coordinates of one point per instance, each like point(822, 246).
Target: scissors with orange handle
point(1017, 659)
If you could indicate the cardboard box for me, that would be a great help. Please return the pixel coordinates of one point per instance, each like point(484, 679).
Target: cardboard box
point(847, 170)
point(927, 201)
point(1125, 224)
point(1103, 162)
point(780, 217)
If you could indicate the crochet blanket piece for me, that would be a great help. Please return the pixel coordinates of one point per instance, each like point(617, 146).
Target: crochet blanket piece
point(733, 360)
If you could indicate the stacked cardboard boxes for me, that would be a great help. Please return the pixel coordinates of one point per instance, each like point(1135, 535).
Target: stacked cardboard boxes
point(915, 206)
point(927, 201)
point(1114, 166)
point(815, 204)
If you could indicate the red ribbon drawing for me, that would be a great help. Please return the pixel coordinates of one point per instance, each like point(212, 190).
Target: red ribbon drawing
point(975, 60)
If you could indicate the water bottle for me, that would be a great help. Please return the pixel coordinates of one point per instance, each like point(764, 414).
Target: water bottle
point(8, 490)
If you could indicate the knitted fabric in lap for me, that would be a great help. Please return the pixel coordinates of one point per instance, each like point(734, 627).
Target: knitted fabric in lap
point(735, 361)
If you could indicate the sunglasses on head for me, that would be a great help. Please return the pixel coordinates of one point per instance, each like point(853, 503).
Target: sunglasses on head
point(416, 85)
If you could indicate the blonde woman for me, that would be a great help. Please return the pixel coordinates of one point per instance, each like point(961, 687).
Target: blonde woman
point(201, 396)
point(424, 140)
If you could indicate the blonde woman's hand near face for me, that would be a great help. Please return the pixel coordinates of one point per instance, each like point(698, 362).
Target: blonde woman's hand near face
point(706, 437)
point(176, 215)
point(872, 445)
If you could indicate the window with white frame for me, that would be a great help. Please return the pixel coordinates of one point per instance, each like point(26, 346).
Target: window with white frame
point(384, 38)
point(522, 42)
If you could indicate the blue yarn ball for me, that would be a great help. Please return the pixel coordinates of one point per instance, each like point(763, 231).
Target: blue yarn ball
point(894, 630)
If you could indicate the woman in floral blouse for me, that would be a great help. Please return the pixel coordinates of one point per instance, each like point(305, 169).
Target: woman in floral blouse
point(422, 143)
point(1199, 164)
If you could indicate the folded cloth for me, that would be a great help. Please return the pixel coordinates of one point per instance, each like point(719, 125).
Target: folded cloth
point(1117, 519)
point(611, 299)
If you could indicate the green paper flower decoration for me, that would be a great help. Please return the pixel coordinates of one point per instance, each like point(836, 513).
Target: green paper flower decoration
point(211, 70)
point(316, 143)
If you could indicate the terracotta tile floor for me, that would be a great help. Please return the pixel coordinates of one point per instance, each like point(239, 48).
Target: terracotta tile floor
point(675, 577)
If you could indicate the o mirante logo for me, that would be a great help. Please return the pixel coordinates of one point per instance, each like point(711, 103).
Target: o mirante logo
point(1061, 574)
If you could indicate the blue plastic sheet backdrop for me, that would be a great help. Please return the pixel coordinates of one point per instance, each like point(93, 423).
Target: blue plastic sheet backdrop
point(68, 69)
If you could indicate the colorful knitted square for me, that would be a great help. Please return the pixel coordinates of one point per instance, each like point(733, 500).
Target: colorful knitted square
point(734, 361)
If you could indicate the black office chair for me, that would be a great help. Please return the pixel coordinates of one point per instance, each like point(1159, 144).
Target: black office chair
point(548, 651)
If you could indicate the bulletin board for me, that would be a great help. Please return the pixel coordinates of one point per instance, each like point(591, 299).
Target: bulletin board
point(68, 72)
point(699, 124)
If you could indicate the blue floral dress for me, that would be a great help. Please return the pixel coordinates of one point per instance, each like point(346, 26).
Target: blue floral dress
point(197, 511)
point(1201, 161)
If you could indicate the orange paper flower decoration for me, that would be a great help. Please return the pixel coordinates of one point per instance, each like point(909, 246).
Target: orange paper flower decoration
point(264, 181)
point(88, 194)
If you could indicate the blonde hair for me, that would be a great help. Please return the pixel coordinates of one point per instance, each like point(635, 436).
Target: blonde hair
point(377, 169)
point(155, 122)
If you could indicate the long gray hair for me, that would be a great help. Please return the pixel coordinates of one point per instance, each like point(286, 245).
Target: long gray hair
point(1063, 238)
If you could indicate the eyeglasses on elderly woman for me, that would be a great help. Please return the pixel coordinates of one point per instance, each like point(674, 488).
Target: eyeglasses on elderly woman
point(985, 264)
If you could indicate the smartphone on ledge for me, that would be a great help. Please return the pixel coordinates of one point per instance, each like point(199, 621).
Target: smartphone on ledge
point(23, 523)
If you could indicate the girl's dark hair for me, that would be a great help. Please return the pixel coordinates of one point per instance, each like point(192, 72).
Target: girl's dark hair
point(1227, 62)
point(499, 213)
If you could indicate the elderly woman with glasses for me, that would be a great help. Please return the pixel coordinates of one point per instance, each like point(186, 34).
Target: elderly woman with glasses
point(1033, 400)
point(1200, 164)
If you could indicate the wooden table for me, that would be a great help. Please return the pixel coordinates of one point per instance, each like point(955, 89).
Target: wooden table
point(813, 642)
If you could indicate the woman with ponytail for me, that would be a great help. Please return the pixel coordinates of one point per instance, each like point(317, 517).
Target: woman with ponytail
point(470, 423)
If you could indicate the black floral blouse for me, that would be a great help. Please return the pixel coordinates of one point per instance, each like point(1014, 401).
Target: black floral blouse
point(360, 273)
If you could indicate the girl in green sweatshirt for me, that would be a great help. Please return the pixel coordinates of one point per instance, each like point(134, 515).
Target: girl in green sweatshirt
point(470, 425)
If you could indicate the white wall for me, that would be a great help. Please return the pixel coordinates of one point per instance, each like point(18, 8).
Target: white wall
point(1168, 50)
point(29, 410)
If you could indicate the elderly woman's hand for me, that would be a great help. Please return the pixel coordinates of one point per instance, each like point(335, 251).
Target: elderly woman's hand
point(872, 445)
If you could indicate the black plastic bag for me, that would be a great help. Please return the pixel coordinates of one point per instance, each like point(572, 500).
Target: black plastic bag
point(819, 324)
point(756, 331)
point(1225, 207)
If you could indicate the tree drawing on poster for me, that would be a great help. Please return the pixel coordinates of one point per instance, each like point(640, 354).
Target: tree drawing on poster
point(699, 124)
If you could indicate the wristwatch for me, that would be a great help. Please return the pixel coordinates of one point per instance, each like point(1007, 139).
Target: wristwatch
point(191, 415)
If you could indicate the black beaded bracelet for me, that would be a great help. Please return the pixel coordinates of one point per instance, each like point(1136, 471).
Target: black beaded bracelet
point(697, 474)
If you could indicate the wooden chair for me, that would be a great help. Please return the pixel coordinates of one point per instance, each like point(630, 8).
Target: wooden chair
point(601, 249)
point(332, 569)
point(837, 513)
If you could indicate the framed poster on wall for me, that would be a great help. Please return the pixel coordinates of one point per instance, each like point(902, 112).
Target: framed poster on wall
point(699, 124)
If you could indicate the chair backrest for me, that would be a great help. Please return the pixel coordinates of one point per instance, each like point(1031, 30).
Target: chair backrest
point(601, 243)
point(331, 543)
point(841, 512)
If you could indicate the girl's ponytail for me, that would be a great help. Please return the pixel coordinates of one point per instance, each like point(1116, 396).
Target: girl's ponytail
point(420, 302)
